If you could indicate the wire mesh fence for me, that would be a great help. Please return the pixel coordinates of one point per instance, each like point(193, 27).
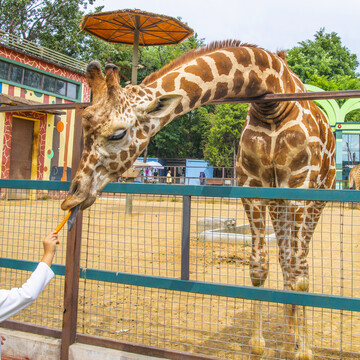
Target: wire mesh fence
point(146, 239)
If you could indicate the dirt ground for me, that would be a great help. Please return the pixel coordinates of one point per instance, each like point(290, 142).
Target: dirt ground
point(148, 241)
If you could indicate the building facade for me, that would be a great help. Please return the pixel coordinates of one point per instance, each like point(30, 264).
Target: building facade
point(37, 145)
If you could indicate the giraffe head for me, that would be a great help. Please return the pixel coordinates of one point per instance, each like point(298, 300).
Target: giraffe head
point(117, 127)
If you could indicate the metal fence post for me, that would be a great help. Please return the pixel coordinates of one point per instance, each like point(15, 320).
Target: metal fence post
point(185, 238)
point(72, 268)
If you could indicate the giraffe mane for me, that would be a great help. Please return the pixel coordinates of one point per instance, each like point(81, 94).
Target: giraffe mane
point(192, 54)
point(282, 54)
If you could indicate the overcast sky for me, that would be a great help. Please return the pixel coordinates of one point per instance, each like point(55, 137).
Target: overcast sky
point(271, 24)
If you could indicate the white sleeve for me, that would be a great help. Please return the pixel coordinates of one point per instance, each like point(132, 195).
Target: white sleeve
point(16, 299)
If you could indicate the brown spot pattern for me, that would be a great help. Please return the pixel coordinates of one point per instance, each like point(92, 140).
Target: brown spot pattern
point(123, 155)
point(206, 97)
point(168, 82)
point(222, 62)
point(193, 90)
point(242, 56)
point(201, 69)
point(113, 165)
point(273, 84)
point(261, 59)
point(297, 180)
point(299, 161)
point(140, 135)
point(179, 109)
point(238, 81)
point(221, 90)
point(132, 150)
point(253, 85)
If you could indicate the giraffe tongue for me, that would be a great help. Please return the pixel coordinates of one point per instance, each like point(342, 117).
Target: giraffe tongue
point(72, 217)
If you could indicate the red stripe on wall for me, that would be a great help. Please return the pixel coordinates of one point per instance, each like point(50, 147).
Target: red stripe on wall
point(11, 90)
point(5, 167)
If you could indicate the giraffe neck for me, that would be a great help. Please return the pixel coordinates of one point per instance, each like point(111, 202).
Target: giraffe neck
point(243, 71)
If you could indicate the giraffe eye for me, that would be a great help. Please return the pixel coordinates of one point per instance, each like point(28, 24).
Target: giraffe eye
point(118, 135)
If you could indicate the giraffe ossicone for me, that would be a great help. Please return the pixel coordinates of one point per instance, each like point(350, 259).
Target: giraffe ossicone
point(283, 144)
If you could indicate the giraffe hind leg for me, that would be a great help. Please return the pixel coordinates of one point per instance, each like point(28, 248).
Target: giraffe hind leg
point(259, 268)
point(287, 218)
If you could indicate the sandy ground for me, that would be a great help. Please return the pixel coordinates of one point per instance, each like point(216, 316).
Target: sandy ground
point(148, 241)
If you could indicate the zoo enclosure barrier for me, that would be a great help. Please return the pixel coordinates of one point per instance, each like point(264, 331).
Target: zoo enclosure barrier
point(68, 317)
point(160, 282)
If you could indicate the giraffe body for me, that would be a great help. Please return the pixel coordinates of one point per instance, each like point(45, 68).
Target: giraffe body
point(354, 177)
point(283, 144)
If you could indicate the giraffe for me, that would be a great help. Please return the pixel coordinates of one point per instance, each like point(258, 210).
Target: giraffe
point(354, 177)
point(283, 144)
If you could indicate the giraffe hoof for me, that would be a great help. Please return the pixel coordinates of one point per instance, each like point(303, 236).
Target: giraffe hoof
point(302, 284)
point(304, 354)
point(257, 346)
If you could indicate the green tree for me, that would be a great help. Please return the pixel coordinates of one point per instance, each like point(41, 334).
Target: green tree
point(326, 63)
point(184, 137)
point(324, 56)
point(224, 136)
point(51, 23)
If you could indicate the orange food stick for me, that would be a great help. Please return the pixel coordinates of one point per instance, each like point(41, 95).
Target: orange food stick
point(59, 227)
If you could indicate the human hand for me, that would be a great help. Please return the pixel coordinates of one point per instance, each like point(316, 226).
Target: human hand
point(49, 243)
point(2, 340)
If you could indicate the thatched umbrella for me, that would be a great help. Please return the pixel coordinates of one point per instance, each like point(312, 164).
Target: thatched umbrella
point(137, 28)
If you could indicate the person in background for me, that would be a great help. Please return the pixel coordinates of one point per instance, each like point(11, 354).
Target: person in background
point(156, 174)
point(168, 177)
point(16, 299)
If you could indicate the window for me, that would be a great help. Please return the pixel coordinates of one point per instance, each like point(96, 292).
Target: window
point(16, 74)
point(4, 70)
point(37, 80)
point(49, 83)
point(32, 78)
point(60, 87)
point(72, 90)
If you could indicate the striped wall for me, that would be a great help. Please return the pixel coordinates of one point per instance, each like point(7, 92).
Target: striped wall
point(53, 133)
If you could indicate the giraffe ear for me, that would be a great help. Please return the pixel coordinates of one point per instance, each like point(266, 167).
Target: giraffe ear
point(96, 81)
point(161, 106)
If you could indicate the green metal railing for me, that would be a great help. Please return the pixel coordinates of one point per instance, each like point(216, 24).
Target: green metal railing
point(245, 292)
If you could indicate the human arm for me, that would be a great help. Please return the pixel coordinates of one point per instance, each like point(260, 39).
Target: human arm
point(49, 244)
point(16, 299)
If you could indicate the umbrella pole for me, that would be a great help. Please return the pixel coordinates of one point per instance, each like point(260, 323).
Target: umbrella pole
point(135, 57)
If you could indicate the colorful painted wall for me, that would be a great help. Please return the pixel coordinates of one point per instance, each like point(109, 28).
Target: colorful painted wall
point(53, 133)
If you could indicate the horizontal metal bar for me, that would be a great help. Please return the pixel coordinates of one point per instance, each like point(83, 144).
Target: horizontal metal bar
point(344, 94)
point(31, 328)
point(321, 95)
point(198, 190)
point(28, 265)
point(233, 291)
point(35, 184)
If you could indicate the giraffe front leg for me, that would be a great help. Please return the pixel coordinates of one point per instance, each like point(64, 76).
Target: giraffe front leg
point(259, 268)
point(304, 351)
point(258, 273)
point(257, 342)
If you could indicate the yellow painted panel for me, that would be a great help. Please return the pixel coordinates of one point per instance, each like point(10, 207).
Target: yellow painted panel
point(5, 88)
point(48, 144)
point(17, 91)
point(35, 151)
